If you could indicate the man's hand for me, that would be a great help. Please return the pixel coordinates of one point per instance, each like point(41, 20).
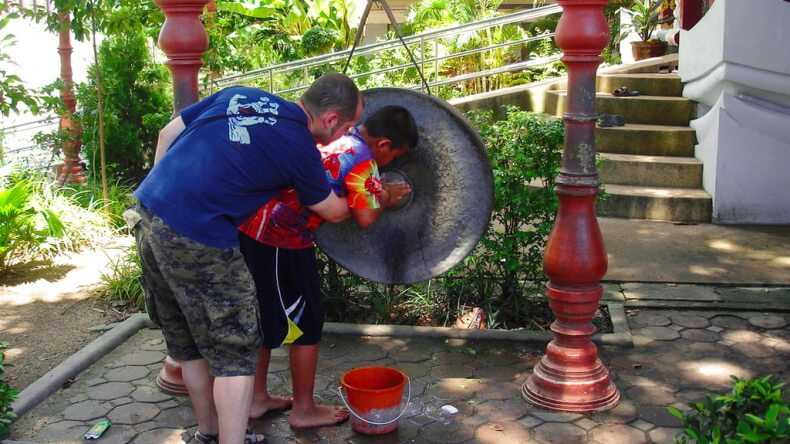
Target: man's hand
point(332, 209)
point(393, 192)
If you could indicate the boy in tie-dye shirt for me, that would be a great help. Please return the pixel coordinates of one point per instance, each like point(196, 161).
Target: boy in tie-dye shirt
point(277, 242)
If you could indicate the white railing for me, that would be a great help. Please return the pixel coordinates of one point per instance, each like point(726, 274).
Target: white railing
point(19, 149)
point(420, 44)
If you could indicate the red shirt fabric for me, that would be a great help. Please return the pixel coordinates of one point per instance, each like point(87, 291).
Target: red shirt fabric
point(352, 173)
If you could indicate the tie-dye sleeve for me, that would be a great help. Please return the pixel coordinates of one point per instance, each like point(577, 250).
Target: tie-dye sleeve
point(364, 185)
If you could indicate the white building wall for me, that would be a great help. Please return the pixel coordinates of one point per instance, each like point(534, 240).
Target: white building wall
point(736, 63)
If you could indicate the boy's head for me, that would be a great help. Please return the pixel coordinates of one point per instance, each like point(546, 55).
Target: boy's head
point(390, 133)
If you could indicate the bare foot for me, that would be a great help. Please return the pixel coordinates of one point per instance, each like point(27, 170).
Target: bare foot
point(317, 416)
point(261, 406)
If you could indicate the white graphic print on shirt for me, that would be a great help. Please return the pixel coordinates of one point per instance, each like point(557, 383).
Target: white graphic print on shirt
point(242, 115)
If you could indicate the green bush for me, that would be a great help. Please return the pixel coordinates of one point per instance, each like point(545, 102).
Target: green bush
point(39, 219)
point(83, 226)
point(123, 281)
point(89, 197)
point(7, 396)
point(19, 234)
point(137, 104)
point(525, 151)
point(755, 411)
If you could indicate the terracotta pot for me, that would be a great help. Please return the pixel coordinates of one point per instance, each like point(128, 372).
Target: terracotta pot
point(646, 50)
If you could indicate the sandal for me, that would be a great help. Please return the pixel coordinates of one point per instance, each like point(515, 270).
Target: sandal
point(609, 120)
point(201, 438)
point(254, 438)
point(623, 91)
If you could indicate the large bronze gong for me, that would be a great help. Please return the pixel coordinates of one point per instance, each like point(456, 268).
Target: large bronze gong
point(449, 208)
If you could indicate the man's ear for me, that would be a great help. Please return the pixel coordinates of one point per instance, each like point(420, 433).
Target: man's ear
point(331, 119)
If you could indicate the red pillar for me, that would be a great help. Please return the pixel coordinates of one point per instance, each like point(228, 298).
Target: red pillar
point(184, 40)
point(570, 377)
point(71, 171)
point(690, 13)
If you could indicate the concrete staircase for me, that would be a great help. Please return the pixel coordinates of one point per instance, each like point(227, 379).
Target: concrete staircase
point(647, 167)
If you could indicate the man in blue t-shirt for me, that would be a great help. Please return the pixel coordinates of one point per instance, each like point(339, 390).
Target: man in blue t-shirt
point(217, 163)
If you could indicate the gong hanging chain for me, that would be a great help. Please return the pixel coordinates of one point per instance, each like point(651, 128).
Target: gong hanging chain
point(396, 27)
point(358, 35)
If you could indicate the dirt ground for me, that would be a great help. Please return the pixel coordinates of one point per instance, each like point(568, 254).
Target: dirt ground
point(47, 310)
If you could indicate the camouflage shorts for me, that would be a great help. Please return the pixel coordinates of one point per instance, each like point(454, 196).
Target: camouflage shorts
point(203, 298)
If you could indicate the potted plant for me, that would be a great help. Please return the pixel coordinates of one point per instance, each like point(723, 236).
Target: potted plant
point(645, 19)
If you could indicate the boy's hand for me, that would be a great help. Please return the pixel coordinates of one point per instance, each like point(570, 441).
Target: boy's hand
point(393, 192)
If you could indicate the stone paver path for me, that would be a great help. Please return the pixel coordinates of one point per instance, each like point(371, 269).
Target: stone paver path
point(678, 357)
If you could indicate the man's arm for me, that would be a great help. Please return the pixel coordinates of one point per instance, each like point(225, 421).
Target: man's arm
point(166, 137)
point(332, 209)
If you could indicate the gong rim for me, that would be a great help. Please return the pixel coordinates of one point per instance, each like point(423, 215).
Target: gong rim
point(452, 199)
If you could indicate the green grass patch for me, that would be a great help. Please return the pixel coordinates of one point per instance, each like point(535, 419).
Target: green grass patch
point(122, 282)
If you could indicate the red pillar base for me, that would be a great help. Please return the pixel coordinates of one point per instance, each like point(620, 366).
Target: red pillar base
point(554, 388)
point(70, 172)
point(170, 379)
point(570, 377)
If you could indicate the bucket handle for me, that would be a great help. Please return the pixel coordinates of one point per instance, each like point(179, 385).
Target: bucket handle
point(408, 400)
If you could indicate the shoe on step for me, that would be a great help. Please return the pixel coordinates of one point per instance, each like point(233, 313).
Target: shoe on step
point(623, 91)
point(609, 120)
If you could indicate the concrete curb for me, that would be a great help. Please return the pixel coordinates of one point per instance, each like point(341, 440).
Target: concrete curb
point(54, 379)
point(620, 338)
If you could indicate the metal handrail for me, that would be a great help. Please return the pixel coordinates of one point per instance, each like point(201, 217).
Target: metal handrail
point(513, 67)
point(517, 17)
point(456, 55)
point(32, 124)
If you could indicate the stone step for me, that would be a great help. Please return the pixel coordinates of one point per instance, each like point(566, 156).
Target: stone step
point(655, 110)
point(667, 85)
point(648, 140)
point(650, 171)
point(669, 204)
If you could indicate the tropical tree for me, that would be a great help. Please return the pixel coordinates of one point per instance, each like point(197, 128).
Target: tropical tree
point(12, 91)
point(250, 34)
point(430, 14)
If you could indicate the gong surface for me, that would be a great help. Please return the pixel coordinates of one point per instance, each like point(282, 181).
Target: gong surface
point(447, 212)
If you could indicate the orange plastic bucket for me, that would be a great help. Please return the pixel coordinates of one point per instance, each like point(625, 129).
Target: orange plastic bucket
point(374, 398)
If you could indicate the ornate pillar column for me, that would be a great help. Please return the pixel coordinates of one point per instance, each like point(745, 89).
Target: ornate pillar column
point(183, 39)
point(71, 170)
point(570, 377)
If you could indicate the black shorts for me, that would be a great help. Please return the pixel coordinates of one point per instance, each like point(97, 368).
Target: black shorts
point(289, 293)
